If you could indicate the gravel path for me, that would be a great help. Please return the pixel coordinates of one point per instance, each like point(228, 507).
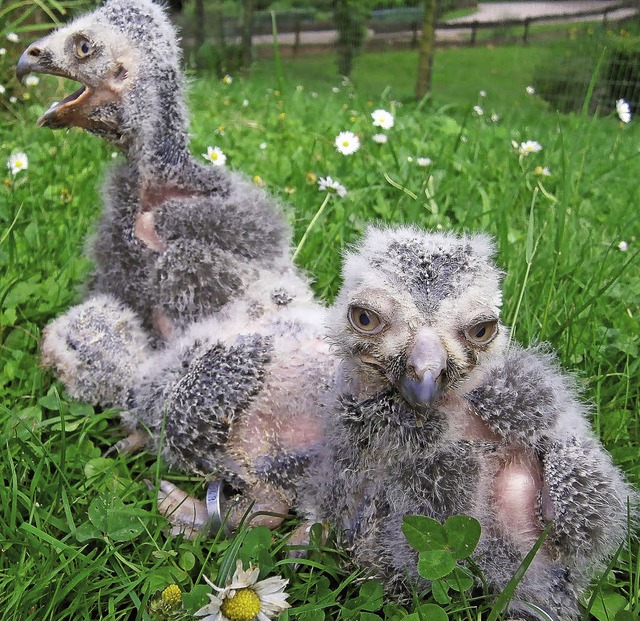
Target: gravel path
point(496, 11)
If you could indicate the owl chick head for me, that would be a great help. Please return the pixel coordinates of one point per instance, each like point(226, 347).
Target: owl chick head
point(126, 57)
point(418, 310)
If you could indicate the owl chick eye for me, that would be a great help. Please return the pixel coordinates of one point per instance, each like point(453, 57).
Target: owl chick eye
point(482, 333)
point(365, 320)
point(83, 48)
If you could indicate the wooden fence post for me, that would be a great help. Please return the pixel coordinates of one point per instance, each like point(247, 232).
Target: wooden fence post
point(296, 40)
point(474, 32)
point(525, 38)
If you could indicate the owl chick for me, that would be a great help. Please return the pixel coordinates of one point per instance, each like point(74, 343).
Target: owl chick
point(435, 413)
point(236, 397)
point(177, 239)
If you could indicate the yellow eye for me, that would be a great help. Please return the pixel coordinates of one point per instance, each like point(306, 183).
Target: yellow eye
point(482, 333)
point(84, 47)
point(365, 320)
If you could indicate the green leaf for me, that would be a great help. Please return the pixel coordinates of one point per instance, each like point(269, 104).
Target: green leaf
point(424, 533)
point(460, 579)
point(428, 612)
point(259, 537)
point(607, 606)
point(463, 534)
point(109, 515)
point(440, 591)
point(187, 560)
point(50, 402)
point(435, 564)
point(87, 531)
point(312, 615)
point(196, 598)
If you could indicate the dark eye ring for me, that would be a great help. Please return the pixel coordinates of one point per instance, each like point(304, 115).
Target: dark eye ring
point(365, 320)
point(482, 333)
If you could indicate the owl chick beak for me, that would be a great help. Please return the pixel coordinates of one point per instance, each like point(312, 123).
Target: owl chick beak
point(426, 363)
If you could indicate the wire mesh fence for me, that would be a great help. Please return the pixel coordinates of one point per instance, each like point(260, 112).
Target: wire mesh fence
point(597, 66)
point(597, 62)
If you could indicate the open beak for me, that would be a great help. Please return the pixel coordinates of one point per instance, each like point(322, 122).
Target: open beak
point(65, 113)
point(426, 365)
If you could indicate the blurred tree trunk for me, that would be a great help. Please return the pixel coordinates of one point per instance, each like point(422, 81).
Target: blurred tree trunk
point(198, 30)
point(218, 35)
point(247, 24)
point(426, 49)
point(349, 17)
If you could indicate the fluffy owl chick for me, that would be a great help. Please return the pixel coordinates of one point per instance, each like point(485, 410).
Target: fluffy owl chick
point(177, 239)
point(236, 397)
point(436, 414)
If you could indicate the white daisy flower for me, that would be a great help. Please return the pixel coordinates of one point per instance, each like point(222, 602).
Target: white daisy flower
point(3, 90)
point(423, 161)
point(13, 99)
point(623, 110)
point(530, 90)
point(13, 37)
point(17, 162)
point(227, 79)
point(382, 118)
point(245, 103)
point(335, 89)
point(495, 117)
point(3, 51)
point(623, 246)
point(32, 80)
point(529, 146)
point(263, 145)
point(478, 110)
point(482, 93)
point(314, 95)
point(409, 158)
point(327, 184)
point(347, 143)
point(215, 156)
point(379, 138)
point(244, 598)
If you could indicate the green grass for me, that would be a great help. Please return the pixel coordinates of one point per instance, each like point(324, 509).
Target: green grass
point(70, 550)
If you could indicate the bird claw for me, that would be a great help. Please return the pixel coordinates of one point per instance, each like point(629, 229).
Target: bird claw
point(133, 443)
point(186, 515)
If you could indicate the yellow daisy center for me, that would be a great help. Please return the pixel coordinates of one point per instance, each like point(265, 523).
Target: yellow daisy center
point(171, 596)
point(345, 143)
point(243, 606)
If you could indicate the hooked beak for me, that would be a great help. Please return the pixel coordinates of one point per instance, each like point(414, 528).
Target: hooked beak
point(427, 361)
point(35, 59)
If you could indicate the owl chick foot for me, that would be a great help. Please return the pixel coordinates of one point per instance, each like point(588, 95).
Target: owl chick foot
point(134, 442)
point(95, 349)
point(186, 515)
